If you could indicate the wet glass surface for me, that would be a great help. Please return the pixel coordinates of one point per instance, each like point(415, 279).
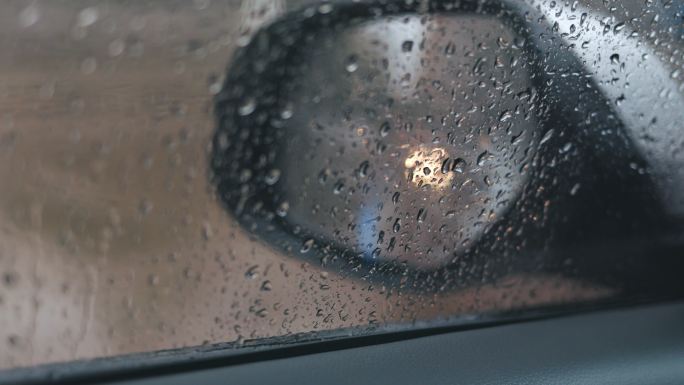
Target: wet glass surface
point(183, 173)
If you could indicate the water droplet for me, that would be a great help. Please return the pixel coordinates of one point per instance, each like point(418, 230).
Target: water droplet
point(407, 46)
point(287, 112)
point(363, 169)
point(153, 280)
point(547, 136)
point(446, 166)
point(272, 177)
point(352, 64)
point(116, 47)
point(385, 129)
point(307, 245)
point(247, 107)
point(89, 65)
point(575, 189)
point(145, 207)
point(458, 165)
point(583, 18)
point(482, 158)
point(29, 16)
point(615, 58)
point(10, 279)
point(252, 272)
point(207, 231)
point(266, 286)
point(13, 340)
point(488, 181)
point(422, 214)
point(282, 209)
point(215, 88)
point(338, 188)
point(450, 49)
point(87, 17)
point(324, 9)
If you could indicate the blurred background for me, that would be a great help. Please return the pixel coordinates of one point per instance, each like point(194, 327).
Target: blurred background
point(112, 238)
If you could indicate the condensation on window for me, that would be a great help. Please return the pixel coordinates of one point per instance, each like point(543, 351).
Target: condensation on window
point(183, 173)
